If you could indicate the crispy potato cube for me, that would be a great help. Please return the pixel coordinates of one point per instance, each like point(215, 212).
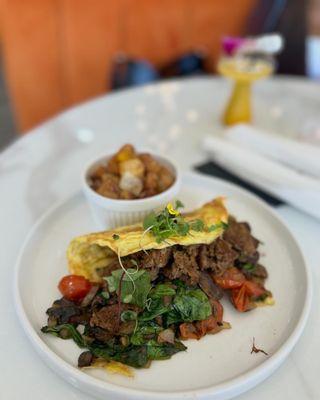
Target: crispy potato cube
point(166, 179)
point(151, 165)
point(126, 195)
point(134, 166)
point(125, 153)
point(130, 175)
point(113, 166)
point(109, 186)
point(151, 182)
point(131, 183)
point(98, 172)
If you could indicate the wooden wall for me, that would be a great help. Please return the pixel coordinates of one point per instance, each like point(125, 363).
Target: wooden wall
point(58, 52)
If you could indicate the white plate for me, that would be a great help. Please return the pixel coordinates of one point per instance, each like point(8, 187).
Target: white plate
point(216, 367)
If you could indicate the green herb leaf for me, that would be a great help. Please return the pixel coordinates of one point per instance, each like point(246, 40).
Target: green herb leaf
point(179, 283)
point(192, 305)
point(161, 290)
point(127, 298)
point(134, 287)
point(135, 356)
point(115, 236)
point(224, 225)
point(163, 351)
point(182, 227)
point(197, 225)
point(156, 308)
point(219, 225)
point(249, 267)
point(138, 355)
point(179, 204)
point(188, 305)
point(105, 295)
point(167, 224)
point(112, 283)
point(172, 317)
point(128, 315)
point(212, 228)
point(72, 333)
point(145, 329)
point(150, 220)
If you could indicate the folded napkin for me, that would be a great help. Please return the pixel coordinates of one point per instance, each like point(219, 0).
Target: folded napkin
point(299, 155)
point(283, 182)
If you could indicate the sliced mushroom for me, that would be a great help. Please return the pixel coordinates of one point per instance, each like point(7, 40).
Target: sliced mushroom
point(90, 296)
point(166, 336)
point(209, 287)
point(85, 359)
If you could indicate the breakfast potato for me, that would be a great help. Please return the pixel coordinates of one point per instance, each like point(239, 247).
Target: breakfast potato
point(109, 186)
point(165, 179)
point(151, 165)
point(126, 153)
point(133, 166)
point(129, 175)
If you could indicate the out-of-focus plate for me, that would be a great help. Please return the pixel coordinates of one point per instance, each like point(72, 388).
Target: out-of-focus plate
point(216, 367)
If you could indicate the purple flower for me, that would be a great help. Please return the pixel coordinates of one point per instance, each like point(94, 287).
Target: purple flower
point(231, 44)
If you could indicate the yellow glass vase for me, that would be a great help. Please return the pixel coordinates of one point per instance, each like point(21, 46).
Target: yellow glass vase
point(239, 106)
point(243, 71)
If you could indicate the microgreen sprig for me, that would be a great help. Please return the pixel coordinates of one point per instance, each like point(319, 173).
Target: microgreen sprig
point(169, 222)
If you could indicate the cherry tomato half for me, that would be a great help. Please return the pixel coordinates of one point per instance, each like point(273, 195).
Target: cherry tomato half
point(74, 287)
point(240, 299)
point(208, 325)
point(188, 331)
point(253, 289)
point(231, 279)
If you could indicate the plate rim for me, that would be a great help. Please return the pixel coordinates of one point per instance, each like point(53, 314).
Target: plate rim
point(223, 390)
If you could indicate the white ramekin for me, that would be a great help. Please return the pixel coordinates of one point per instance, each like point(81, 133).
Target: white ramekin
point(110, 213)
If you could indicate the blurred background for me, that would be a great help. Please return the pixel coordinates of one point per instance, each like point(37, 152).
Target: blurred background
point(58, 53)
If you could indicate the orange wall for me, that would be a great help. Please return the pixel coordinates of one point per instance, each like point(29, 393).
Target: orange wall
point(59, 52)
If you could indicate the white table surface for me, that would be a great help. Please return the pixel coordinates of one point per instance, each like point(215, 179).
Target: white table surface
point(44, 167)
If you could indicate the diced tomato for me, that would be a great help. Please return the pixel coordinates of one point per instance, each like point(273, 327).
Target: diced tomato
point(188, 331)
point(243, 291)
point(253, 289)
point(231, 279)
point(74, 287)
point(208, 325)
point(197, 330)
point(240, 299)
